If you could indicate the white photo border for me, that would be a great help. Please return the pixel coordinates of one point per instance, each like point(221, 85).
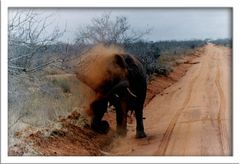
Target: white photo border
point(5, 4)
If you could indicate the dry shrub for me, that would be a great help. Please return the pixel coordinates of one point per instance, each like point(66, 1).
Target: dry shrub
point(64, 84)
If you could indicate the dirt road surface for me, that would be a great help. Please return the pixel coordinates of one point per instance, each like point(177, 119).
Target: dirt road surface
point(191, 117)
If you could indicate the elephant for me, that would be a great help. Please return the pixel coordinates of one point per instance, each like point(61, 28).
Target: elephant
point(119, 79)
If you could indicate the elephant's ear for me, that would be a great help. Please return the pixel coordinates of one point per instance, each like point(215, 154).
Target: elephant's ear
point(120, 60)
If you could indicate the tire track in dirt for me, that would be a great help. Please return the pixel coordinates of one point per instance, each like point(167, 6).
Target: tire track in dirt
point(222, 107)
point(168, 133)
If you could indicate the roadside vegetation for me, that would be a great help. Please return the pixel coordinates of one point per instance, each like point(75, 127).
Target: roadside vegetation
point(223, 42)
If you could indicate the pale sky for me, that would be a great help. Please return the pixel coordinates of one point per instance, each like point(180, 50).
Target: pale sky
point(166, 23)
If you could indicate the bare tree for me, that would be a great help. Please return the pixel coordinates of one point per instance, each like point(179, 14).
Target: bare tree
point(28, 33)
point(106, 30)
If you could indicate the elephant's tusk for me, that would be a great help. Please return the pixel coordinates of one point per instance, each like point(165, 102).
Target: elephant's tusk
point(130, 92)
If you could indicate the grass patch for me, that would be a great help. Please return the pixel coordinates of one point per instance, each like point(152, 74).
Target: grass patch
point(63, 83)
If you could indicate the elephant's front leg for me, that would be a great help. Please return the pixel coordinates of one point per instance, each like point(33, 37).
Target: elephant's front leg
point(139, 118)
point(99, 107)
point(121, 117)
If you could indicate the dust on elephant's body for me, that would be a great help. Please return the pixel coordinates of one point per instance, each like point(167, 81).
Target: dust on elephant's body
point(117, 78)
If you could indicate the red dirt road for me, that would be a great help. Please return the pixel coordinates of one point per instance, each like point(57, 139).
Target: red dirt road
point(192, 116)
